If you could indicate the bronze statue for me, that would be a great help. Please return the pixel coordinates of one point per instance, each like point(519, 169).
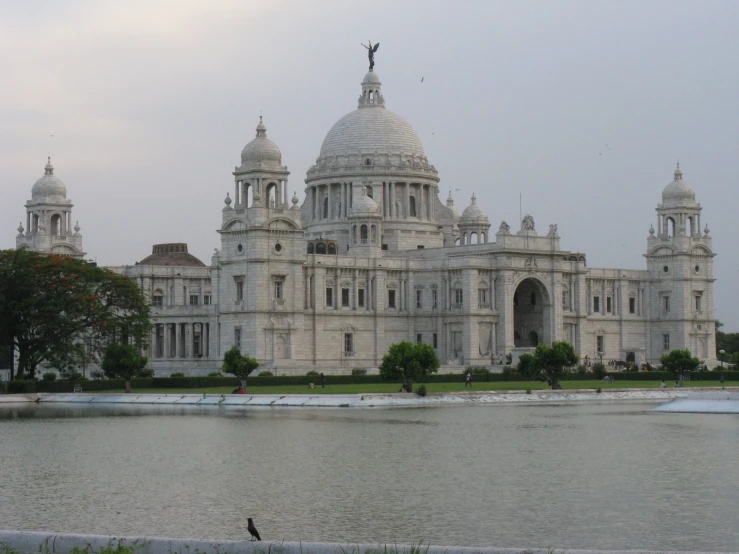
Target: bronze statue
point(371, 53)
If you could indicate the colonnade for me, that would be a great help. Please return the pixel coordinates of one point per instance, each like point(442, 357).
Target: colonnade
point(181, 340)
point(664, 229)
point(261, 186)
point(65, 222)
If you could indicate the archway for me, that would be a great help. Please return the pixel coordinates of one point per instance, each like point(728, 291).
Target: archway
point(531, 314)
point(56, 225)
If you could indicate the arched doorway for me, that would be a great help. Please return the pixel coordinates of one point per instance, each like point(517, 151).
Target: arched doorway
point(531, 314)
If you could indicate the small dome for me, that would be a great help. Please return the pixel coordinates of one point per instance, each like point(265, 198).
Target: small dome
point(364, 206)
point(172, 254)
point(49, 184)
point(261, 150)
point(371, 78)
point(473, 213)
point(678, 190)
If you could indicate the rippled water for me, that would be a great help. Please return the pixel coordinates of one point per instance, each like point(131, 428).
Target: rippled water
point(567, 476)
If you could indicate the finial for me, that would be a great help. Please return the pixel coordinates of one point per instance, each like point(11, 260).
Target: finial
point(474, 199)
point(706, 231)
point(295, 199)
point(651, 230)
point(77, 227)
point(227, 200)
point(20, 229)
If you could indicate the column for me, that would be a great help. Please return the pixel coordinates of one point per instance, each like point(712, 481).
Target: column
point(392, 200)
point(236, 193)
point(407, 204)
point(330, 202)
point(314, 196)
point(166, 340)
point(356, 292)
point(342, 215)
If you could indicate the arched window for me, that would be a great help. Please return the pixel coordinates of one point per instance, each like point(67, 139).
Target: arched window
point(249, 194)
point(354, 234)
point(670, 227)
point(413, 207)
point(369, 192)
point(533, 338)
point(689, 226)
point(56, 225)
point(473, 238)
point(363, 234)
point(533, 299)
point(35, 223)
point(483, 238)
point(321, 248)
point(457, 242)
point(311, 248)
point(331, 248)
point(325, 207)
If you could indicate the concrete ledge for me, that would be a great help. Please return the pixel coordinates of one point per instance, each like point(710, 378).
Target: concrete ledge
point(17, 398)
point(31, 542)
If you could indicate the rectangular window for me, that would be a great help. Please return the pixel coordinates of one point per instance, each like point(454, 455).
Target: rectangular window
point(483, 298)
point(458, 297)
point(596, 304)
point(419, 299)
point(157, 300)
point(278, 290)
point(434, 298)
point(665, 342)
point(345, 298)
point(239, 291)
point(435, 342)
point(194, 299)
point(419, 338)
point(609, 304)
point(206, 299)
point(348, 343)
point(600, 344)
point(564, 299)
point(666, 303)
point(237, 336)
point(329, 296)
point(391, 299)
point(361, 298)
point(698, 303)
point(632, 305)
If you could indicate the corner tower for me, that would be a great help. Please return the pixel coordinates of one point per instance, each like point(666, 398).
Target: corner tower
point(680, 263)
point(49, 219)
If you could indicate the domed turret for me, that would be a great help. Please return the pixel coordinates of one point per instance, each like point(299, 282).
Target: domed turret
point(473, 225)
point(49, 184)
point(473, 214)
point(261, 151)
point(678, 191)
point(364, 206)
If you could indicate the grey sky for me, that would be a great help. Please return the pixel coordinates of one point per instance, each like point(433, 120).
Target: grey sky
point(152, 101)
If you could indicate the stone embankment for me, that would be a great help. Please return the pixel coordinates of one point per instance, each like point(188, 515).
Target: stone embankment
point(373, 400)
point(28, 542)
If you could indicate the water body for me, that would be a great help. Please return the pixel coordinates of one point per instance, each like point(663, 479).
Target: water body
point(607, 476)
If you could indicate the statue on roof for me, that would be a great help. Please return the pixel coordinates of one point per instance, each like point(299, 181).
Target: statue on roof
point(371, 53)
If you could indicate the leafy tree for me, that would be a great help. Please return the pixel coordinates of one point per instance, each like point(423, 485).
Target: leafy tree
point(238, 365)
point(123, 361)
point(50, 305)
point(680, 362)
point(411, 362)
point(728, 342)
point(527, 368)
point(555, 360)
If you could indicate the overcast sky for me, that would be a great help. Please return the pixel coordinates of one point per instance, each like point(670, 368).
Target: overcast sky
point(150, 103)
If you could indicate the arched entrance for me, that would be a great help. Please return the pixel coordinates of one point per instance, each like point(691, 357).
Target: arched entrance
point(531, 314)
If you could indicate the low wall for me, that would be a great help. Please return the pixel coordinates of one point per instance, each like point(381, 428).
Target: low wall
point(29, 542)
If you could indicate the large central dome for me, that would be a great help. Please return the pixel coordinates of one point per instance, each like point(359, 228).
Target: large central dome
point(371, 128)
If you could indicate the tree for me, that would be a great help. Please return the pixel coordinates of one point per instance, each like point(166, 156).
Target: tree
point(411, 362)
point(527, 368)
point(680, 362)
point(50, 304)
point(728, 342)
point(555, 360)
point(238, 365)
point(123, 361)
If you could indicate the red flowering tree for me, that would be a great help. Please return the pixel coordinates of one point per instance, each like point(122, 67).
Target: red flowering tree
point(50, 305)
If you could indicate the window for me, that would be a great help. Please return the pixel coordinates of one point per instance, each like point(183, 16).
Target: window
point(206, 299)
point(413, 206)
point(600, 344)
point(391, 299)
point(665, 342)
point(458, 297)
point(237, 336)
point(419, 299)
point(329, 296)
point(361, 298)
point(344, 298)
point(482, 295)
point(157, 300)
point(632, 305)
point(666, 302)
point(697, 302)
point(434, 298)
point(564, 299)
point(239, 291)
point(434, 341)
point(419, 338)
point(596, 304)
point(278, 290)
point(348, 343)
point(194, 299)
point(609, 304)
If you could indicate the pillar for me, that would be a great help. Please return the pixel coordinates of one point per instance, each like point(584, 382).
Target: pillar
point(330, 203)
point(407, 203)
point(392, 200)
point(166, 340)
point(342, 214)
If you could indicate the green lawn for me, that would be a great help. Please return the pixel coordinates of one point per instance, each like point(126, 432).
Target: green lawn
point(432, 387)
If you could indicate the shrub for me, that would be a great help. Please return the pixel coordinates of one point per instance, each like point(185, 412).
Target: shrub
point(598, 390)
point(478, 370)
point(215, 374)
point(528, 391)
point(421, 391)
point(22, 387)
point(97, 374)
point(144, 373)
point(72, 376)
point(177, 374)
point(599, 370)
point(266, 374)
point(358, 371)
point(312, 373)
point(49, 376)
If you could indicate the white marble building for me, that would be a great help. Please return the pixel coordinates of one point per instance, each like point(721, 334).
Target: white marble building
point(374, 256)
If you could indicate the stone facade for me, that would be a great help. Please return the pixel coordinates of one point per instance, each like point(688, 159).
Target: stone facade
point(373, 256)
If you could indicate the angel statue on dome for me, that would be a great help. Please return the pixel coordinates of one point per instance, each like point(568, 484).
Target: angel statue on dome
point(371, 53)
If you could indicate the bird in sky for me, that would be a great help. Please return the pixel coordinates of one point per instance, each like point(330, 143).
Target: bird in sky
point(422, 79)
point(253, 530)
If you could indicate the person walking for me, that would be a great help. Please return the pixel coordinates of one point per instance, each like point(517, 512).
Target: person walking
point(468, 380)
point(323, 381)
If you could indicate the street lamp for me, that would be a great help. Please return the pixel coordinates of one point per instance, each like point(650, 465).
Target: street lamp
point(721, 358)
